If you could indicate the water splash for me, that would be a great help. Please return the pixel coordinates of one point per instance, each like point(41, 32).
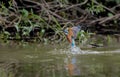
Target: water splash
point(76, 50)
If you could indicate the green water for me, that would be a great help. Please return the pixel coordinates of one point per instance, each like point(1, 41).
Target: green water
point(40, 61)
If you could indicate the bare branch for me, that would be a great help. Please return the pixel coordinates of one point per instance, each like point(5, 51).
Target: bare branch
point(104, 7)
point(110, 18)
point(105, 19)
point(73, 6)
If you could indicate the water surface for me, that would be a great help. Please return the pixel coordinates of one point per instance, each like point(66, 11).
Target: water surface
point(57, 61)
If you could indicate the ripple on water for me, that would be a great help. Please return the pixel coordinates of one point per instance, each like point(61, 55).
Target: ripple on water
point(79, 51)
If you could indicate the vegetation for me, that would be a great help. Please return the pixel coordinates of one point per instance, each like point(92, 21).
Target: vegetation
point(44, 20)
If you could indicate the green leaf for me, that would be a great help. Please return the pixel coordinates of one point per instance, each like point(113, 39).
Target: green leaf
point(58, 25)
point(24, 12)
point(110, 14)
point(6, 32)
point(17, 27)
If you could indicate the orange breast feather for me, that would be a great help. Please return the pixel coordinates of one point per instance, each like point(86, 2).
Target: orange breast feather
point(70, 35)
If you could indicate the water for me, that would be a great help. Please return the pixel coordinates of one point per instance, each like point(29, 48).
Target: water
point(57, 61)
point(76, 50)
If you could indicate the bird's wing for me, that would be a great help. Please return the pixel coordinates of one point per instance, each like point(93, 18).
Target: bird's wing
point(76, 29)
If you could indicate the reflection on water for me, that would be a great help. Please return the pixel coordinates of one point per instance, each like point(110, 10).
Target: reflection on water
point(72, 67)
point(31, 62)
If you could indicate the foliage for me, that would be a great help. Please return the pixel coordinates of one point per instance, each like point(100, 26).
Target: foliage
point(83, 37)
point(51, 16)
point(93, 8)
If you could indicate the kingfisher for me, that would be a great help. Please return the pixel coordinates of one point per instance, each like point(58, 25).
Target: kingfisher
point(71, 34)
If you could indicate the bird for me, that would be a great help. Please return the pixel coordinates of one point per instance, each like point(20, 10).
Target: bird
point(71, 34)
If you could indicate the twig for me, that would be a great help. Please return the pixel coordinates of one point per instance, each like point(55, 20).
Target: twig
point(104, 6)
point(56, 15)
point(73, 6)
point(83, 19)
point(46, 9)
point(3, 20)
point(12, 22)
point(110, 18)
point(105, 19)
point(113, 8)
